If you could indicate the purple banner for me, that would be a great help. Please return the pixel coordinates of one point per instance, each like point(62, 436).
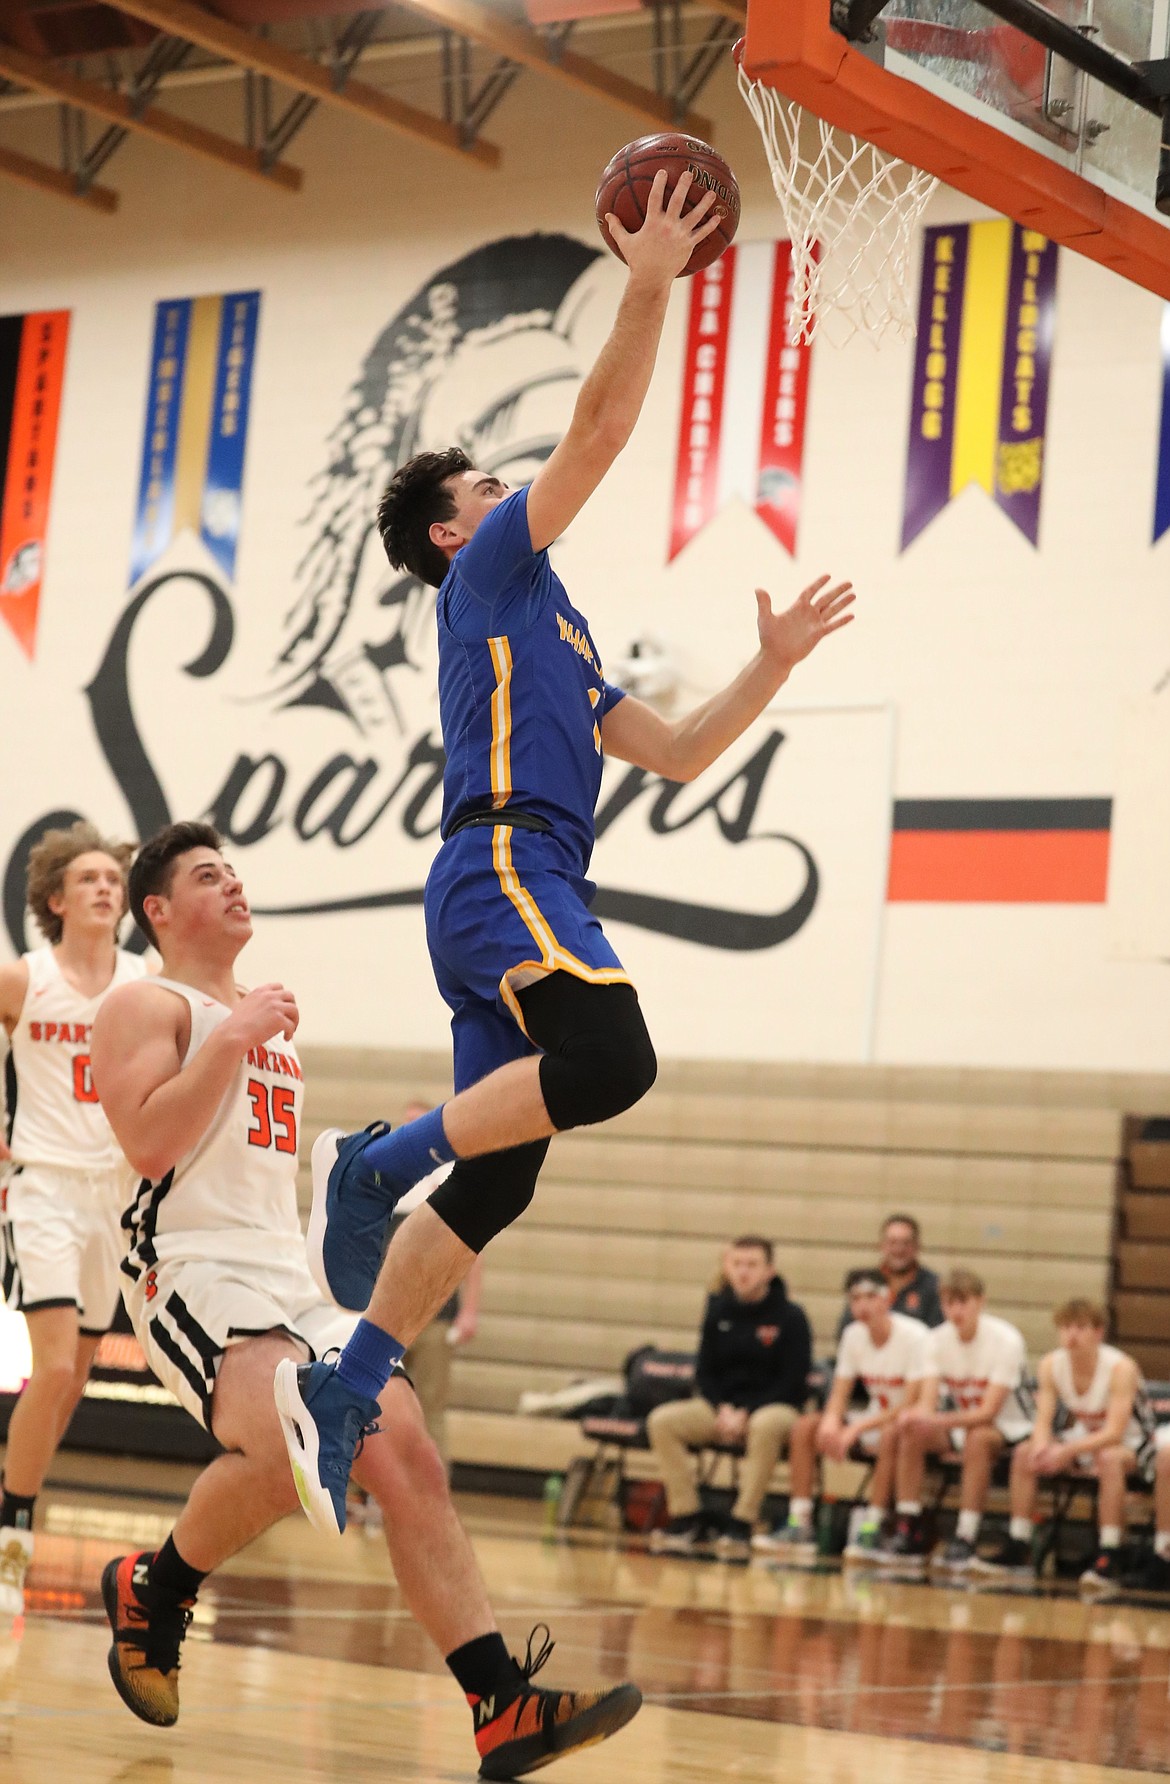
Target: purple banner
point(1027, 362)
point(1162, 481)
point(936, 371)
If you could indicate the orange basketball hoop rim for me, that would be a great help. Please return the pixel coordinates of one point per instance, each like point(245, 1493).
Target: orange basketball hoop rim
point(792, 46)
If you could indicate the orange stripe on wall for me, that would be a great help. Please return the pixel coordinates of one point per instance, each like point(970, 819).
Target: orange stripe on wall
point(998, 867)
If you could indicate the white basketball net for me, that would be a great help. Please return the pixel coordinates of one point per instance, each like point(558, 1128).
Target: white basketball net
point(851, 213)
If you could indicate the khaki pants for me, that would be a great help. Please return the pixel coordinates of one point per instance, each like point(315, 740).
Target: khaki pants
point(680, 1423)
point(428, 1363)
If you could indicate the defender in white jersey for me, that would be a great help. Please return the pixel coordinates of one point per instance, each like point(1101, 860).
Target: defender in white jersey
point(975, 1398)
point(203, 1088)
point(886, 1353)
point(60, 1240)
point(1090, 1418)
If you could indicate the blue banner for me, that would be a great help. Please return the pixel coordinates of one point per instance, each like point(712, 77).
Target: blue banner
point(220, 511)
point(154, 516)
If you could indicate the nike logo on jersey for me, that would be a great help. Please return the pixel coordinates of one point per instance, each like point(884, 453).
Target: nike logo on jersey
point(435, 1156)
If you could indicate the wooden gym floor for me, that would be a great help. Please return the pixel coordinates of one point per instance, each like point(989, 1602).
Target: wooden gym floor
point(304, 1665)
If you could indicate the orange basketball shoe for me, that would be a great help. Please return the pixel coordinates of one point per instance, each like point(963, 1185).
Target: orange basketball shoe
point(539, 1726)
point(144, 1658)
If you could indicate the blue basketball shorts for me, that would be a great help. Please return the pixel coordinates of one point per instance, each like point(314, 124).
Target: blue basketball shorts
point(503, 909)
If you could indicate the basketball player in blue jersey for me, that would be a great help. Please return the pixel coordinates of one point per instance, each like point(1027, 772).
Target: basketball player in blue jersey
point(547, 1030)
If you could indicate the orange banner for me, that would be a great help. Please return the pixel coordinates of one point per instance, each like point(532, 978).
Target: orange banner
point(29, 452)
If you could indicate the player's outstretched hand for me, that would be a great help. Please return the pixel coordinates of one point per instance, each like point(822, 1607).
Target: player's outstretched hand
point(660, 249)
point(788, 637)
point(263, 1013)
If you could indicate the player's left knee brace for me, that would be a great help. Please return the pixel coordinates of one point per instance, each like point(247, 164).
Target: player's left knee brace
point(484, 1195)
point(602, 1065)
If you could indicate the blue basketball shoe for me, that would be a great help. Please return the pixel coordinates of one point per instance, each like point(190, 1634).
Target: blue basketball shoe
point(323, 1421)
point(349, 1224)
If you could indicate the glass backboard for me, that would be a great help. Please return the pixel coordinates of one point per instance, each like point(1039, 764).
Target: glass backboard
point(966, 53)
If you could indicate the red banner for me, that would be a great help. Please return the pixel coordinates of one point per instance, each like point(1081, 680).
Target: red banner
point(32, 369)
point(701, 423)
point(785, 408)
point(745, 396)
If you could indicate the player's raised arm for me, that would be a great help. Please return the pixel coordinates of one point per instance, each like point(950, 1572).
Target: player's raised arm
point(610, 400)
point(157, 1109)
point(681, 749)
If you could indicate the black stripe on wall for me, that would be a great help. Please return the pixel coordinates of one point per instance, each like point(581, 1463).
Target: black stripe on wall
point(11, 330)
point(1002, 814)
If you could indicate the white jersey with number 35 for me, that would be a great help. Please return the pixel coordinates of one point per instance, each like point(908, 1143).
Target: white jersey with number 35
point(233, 1196)
point(59, 1120)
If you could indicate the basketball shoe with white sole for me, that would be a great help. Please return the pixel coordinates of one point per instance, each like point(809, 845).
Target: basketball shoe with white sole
point(324, 1422)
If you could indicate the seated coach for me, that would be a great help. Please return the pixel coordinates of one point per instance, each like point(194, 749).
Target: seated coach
point(751, 1381)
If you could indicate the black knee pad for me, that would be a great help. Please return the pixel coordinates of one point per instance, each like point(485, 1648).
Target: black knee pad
point(598, 1056)
point(484, 1195)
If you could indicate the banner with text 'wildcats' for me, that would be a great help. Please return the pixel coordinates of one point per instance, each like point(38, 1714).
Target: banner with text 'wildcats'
point(32, 370)
point(979, 412)
point(196, 427)
point(745, 396)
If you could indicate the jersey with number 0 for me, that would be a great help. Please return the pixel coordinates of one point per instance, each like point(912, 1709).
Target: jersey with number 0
point(521, 692)
point(1089, 1410)
point(59, 1120)
point(233, 1196)
point(888, 1370)
point(995, 1357)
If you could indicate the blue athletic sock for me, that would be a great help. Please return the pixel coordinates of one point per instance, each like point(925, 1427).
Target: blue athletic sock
point(368, 1360)
point(411, 1152)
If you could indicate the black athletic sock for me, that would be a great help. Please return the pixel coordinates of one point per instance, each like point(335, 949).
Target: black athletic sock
point(484, 1670)
point(16, 1509)
point(171, 1576)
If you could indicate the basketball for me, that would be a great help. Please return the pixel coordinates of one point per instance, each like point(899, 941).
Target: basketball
point(625, 187)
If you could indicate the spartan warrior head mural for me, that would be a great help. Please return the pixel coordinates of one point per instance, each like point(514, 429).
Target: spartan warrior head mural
point(486, 356)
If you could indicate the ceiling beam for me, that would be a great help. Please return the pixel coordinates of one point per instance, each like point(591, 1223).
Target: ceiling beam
point(735, 10)
point(180, 18)
point(520, 43)
point(44, 178)
point(149, 120)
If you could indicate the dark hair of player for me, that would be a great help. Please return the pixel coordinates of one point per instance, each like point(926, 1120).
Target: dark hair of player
point(154, 865)
point(753, 1242)
point(414, 499)
point(864, 1279)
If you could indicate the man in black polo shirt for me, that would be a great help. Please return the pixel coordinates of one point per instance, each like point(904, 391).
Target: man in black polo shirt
point(751, 1382)
point(914, 1289)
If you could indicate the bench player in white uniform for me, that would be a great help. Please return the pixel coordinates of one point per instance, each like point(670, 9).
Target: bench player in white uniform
point(976, 1399)
point(886, 1352)
point(1100, 1392)
point(60, 1240)
point(203, 1088)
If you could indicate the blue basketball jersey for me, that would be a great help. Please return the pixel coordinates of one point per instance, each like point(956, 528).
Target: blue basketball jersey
point(521, 692)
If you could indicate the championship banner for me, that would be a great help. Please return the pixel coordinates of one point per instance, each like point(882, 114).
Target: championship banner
point(32, 370)
point(1162, 484)
point(745, 396)
point(986, 319)
point(196, 427)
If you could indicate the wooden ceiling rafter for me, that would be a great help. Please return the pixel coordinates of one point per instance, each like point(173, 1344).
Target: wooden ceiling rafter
point(146, 119)
point(521, 43)
point(181, 18)
point(27, 171)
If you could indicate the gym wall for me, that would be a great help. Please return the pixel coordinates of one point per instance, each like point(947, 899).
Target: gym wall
point(767, 912)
